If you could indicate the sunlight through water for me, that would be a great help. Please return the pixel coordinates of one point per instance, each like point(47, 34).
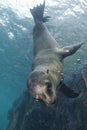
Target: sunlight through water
point(21, 7)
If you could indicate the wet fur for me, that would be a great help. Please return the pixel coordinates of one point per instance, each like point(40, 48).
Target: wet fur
point(48, 60)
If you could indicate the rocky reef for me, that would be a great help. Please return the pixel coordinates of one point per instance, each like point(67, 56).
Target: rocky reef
point(65, 114)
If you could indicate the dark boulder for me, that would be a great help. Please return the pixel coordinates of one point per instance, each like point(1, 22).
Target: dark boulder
point(65, 114)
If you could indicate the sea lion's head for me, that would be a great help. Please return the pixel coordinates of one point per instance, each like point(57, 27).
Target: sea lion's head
point(41, 87)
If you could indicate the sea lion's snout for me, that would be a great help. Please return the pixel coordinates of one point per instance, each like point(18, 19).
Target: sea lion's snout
point(42, 90)
point(44, 96)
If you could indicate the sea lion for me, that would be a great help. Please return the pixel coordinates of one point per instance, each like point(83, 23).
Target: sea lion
point(47, 66)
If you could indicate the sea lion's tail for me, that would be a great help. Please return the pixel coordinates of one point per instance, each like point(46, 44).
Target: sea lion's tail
point(37, 12)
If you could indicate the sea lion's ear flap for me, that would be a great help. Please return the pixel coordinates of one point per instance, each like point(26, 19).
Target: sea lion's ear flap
point(69, 50)
point(47, 71)
point(67, 91)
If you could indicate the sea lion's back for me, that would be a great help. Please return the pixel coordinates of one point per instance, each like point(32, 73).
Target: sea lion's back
point(41, 36)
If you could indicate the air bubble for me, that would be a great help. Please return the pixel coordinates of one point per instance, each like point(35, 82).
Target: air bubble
point(67, 51)
point(61, 74)
point(78, 60)
point(58, 71)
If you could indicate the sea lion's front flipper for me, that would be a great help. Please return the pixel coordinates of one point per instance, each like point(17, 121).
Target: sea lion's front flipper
point(67, 91)
point(68, 50)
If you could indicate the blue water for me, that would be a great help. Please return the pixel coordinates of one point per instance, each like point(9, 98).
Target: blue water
point(68, 24)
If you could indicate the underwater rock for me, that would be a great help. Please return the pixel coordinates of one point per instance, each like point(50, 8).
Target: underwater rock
point(65, 114)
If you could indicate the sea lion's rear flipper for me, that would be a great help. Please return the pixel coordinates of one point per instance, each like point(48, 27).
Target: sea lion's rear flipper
point(69, 50)
point(38, 12)
point(67, 91)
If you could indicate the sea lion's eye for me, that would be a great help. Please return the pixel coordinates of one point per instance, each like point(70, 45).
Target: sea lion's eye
point(47, 71)
point(48, 84)
point(49, 88)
